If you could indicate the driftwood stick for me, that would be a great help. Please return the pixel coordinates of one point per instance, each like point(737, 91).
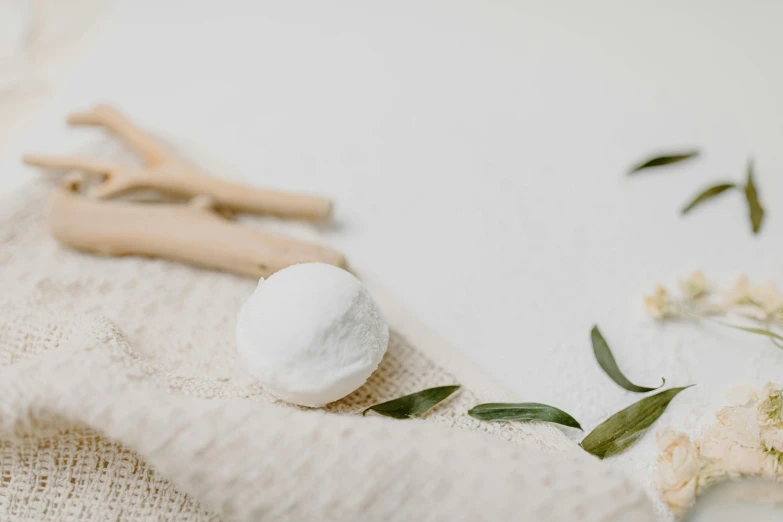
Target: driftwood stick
point(68, 163)
point(167, 173)
point(191, 234)
point(151, 150)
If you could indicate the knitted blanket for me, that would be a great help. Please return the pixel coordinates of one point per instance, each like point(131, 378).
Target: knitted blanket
point(121, 399)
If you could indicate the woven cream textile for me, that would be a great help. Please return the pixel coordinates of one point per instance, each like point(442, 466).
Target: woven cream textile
point(121, 399)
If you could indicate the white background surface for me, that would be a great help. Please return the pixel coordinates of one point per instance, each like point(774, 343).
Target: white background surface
point(477, 151)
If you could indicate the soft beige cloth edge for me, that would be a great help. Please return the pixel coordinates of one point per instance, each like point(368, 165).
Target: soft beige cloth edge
point(168, 387)
point(250, 461)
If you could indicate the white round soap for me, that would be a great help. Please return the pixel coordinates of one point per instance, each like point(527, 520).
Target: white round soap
point(311, 334)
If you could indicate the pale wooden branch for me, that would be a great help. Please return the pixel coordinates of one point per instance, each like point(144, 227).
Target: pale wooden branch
point(68, 163)
point(145, 145)
point(167, 173)
point(191, 234)
point(116, 178)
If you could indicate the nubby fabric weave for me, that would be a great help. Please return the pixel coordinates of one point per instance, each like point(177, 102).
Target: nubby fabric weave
point(121, 399)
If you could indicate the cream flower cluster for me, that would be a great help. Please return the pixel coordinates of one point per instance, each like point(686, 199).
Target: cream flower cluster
point(763, 303)
point(747, 441)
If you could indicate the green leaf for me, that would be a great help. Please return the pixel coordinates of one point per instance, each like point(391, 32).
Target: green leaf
point(754, 206)
point(413, 404)
point(665, 160)
point(620, 431)
point(708, 194)
point(605, 358)
point(759, 331)
point(524, 412)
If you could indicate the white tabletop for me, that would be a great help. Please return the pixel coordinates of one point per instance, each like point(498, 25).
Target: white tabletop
point(477, 152)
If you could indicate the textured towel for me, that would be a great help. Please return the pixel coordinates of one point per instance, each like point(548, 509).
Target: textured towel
point(121, 399)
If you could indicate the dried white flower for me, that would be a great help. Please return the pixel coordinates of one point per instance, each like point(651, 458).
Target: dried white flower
point(740, 294)
point(772, 439)
point(741, 395)
point(678, 470)
point(736, 427)
point(747, 440)
point(761, 302)
point(768, 298)
point(735, 443)
point(695, 289)
point(659, 305)
point(695, 286)
point(769, 408)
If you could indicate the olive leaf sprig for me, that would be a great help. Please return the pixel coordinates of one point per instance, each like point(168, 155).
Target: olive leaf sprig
point(755, 209)
point(523, 412)
point(749, 188)
point(667, 159)
point(707, 194)
point(621, 431)
point(414, 404)
point(606, 360)
point(613, 436)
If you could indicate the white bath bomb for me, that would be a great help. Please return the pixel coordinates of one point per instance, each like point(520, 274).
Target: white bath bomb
point(311, 334)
